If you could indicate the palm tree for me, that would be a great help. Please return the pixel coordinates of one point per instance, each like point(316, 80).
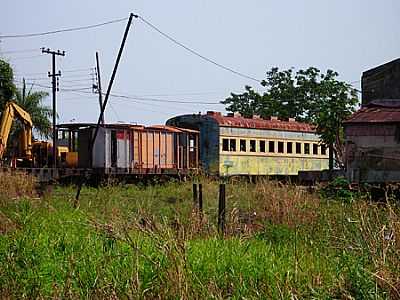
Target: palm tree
point(40, 114)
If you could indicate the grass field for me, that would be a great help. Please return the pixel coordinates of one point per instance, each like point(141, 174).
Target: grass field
point(126, 241)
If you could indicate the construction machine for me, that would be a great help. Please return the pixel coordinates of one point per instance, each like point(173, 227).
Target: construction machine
point(11, 111)
point(31, 154)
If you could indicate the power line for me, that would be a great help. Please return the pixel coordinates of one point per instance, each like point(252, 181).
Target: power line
point(26, 57)
point(64, 71)
point(19, 51)
point(164, 100)
point(82, 90)
point(197, 53)
point(61, 30)
point(78, 70)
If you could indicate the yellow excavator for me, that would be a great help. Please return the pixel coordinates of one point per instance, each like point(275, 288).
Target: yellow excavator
point(11, 111)
point(31, 154)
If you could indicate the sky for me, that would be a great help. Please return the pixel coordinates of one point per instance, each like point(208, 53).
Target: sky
point(248, 36)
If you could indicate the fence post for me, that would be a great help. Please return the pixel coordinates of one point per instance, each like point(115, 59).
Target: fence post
point(200, 197)
point(195, 193)
point(221, 208)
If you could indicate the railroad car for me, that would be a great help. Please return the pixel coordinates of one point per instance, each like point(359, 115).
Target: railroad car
point(234, 145)
point(133, 149)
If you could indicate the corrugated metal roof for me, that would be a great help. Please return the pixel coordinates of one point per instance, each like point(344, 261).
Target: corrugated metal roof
point(259, 123)
point(385, 111)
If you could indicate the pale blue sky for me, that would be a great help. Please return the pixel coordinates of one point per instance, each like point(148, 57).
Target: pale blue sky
point(250, 36)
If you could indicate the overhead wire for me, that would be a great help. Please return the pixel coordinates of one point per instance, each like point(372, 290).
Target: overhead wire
point(61, 30)
point(25, 57)
point(172, 39)
point(19, 51)
point(148, 23)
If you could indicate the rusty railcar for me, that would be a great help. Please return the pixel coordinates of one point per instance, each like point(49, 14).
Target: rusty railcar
point(234, 145)
point(372, 137)
point(125, 149)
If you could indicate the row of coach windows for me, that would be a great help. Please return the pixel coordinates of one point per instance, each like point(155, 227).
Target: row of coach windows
point(272, 147)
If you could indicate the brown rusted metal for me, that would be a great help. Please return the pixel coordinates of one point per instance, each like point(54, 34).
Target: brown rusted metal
point(258, 123)
point(375, 115)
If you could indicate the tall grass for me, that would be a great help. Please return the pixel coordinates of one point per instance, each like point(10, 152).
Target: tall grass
point(126, 241)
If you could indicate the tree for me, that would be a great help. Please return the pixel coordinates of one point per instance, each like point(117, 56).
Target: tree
point(7, 86)
point(307, 95)
point(30, 101)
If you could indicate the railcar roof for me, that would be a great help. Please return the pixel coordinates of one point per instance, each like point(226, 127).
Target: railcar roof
point(259, 123)
point(76, 126)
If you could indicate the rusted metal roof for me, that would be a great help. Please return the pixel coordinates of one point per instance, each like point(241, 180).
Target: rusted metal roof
point(385, 111)
point(171, 128)
point(73, 126)
point(259, 123)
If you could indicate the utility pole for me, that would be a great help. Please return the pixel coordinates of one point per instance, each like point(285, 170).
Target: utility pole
point(99, 90)
point(54, 80)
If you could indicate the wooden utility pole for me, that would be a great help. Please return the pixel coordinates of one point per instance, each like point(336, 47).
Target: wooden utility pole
point(99, 90)
point(54, 79)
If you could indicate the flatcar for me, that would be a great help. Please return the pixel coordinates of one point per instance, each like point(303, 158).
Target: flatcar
point(234, 145)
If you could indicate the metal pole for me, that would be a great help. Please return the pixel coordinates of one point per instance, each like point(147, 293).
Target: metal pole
point(55, 135)
point(103, 107)
point(54, 76)
point(112, 80)
point(99, 85)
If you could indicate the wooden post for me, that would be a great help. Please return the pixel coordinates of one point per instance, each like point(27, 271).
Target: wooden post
point(221, 208)
point(200, 198)
point(195, 193)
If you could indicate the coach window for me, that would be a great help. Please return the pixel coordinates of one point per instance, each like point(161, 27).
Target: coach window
point(232, 145)
point(323, 150)
point(225, 145)
point(243, 145)
point(280, 147)
point(252, 145)
point(298, 148)
point(271, 146)
point(306, 148)
point(289, 147)
point(315, 149)
point(262, 146)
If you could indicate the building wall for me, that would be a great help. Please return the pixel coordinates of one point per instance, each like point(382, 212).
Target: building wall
point(381, 82)
point(372, 153)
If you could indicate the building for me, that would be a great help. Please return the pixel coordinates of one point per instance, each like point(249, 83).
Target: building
point(372, 137)
point(381, 82)
point(234, 145)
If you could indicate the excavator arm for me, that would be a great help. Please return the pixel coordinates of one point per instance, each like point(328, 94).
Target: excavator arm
point(11, 111)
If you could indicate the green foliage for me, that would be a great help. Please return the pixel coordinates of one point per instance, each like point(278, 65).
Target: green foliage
point(307, 95)
point(31, 101)
point(7, 86)
point(338, 189)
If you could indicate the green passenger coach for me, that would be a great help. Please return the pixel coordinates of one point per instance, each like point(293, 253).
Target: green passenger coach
point(234, 145)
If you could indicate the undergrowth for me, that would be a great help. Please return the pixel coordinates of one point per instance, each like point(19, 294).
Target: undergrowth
point(126, 241)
